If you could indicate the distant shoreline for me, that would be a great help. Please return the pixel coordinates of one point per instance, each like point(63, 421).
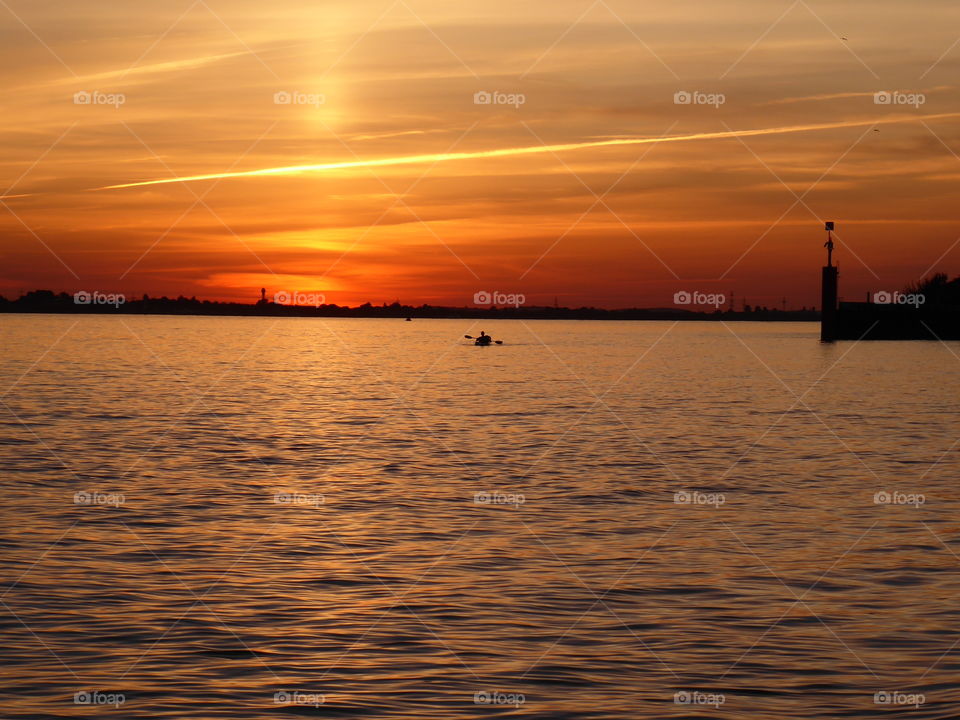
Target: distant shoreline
point(47, 302)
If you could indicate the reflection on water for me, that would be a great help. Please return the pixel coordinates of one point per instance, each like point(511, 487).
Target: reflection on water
point(247, 518)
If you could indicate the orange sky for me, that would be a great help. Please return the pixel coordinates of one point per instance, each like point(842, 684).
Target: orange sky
point(382, 179)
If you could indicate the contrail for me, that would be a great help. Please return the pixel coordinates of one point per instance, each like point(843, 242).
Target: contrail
point(530, 150)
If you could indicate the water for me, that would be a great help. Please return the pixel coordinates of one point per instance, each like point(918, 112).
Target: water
point(379, 516)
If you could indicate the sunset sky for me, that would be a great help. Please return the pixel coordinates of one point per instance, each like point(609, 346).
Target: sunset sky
point(382, 179)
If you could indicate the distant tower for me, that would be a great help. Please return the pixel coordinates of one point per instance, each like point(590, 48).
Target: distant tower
point(828, 292)
point(263, 295)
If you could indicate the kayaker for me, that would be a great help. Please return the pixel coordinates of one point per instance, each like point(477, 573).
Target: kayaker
point(484, 339)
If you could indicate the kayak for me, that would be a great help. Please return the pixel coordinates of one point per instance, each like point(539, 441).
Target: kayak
point(483, 340)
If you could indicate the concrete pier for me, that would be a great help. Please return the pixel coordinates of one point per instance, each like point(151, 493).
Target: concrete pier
point(828, 304)
point(828, 292)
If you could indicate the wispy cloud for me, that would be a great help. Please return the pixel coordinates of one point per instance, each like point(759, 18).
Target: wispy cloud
point(528, 150)
point(384, 135)
point(171, 66)
point(845, 95)
point(813, 98)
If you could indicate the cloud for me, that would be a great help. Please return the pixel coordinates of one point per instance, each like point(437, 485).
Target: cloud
point(529, 150)
point(153, 69)
point(845, 95)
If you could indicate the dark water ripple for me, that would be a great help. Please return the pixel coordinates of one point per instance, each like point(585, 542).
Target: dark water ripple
point(353, 519)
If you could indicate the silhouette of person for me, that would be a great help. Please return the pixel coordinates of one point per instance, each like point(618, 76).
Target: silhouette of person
point(484, 339)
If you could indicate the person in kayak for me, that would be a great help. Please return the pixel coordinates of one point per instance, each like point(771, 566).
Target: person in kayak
point(484, 339)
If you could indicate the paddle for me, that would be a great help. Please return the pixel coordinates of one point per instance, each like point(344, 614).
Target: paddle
point(471, 337)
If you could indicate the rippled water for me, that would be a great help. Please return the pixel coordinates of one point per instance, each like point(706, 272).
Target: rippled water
point(376, 519)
